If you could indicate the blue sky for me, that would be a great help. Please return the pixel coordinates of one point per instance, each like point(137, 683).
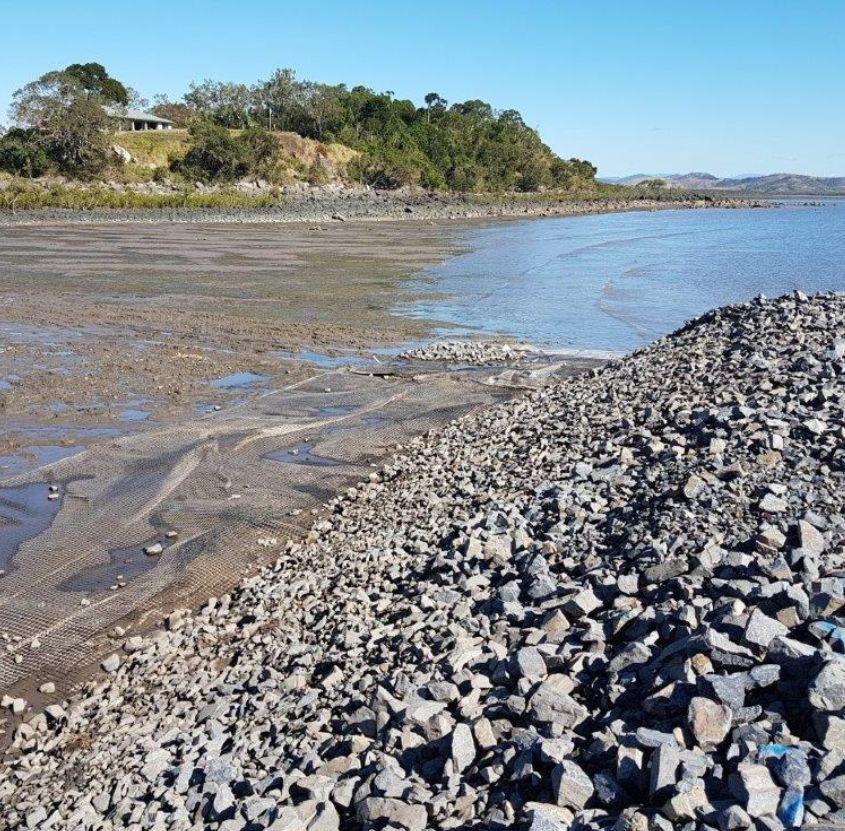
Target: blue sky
point(659, 87)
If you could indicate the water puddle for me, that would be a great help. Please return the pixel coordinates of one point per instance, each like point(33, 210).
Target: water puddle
point(302, 454)
point(125, 564)
point(376, 420)
point(25, 512)
point(335, 410)
point(134, 415)
point(50, 336)
point(238, 380)
point(321, 359)
point(35, 456)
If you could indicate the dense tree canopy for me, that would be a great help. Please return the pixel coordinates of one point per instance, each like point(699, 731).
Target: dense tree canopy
point(465, 146)
point(94, 79)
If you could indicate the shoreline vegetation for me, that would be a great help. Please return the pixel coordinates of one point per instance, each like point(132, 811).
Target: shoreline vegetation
point(99, 203)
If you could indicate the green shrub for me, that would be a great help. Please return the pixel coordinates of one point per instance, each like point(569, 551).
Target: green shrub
point(533, 176)
point(22, 153)
point(215, 154)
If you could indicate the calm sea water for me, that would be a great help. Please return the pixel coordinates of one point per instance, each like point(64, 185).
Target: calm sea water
point(618, 281)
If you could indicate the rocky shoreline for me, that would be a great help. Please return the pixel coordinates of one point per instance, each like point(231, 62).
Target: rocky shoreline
point(613, 603)
point(350, 204)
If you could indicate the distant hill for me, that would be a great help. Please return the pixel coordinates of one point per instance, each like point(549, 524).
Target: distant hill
point(776, 184)
point(788, 183)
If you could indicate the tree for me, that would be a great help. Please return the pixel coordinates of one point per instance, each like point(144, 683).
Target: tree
point(136, 100)
point(76, 136)
point(215, 154)
point(22, 153)
point(71, 124)
point(35, 101)
point(281, 94)
point(434, 102)
point(261, 150)
point(229, 104)
point(95, 81)
point(533, 174)
point(179, 114)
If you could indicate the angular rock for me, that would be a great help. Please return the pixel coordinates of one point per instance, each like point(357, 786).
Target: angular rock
point(709, 721)
point(571, 785)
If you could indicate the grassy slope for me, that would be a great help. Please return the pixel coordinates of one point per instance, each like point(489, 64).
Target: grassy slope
point(154, 148)
point(157, 148)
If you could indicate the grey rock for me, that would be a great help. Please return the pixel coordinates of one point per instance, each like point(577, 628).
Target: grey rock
point(761, 630)
point(551, 703)
point(462, 747)
point(571, 785)
point(827, 690)
point(380, 809)
point(754, 787)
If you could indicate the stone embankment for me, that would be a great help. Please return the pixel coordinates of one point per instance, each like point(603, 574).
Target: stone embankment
point(615, 603)
point(349, 204)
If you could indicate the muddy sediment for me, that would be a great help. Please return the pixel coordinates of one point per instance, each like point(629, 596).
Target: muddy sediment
point(142, 367)
point(103, 321)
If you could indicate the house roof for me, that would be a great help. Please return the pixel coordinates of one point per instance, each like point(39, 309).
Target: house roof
point(135, 115)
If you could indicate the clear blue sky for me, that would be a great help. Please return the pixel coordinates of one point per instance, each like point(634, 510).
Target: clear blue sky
point(633, 85)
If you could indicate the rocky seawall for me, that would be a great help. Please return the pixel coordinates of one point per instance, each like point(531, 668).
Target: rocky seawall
point(340, 205)
point(613, 603)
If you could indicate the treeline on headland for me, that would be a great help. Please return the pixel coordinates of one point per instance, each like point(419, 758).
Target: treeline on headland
point(64, 122)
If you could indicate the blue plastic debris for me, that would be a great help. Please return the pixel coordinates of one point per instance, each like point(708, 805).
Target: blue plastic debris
point(791, 810)
point(775, 750)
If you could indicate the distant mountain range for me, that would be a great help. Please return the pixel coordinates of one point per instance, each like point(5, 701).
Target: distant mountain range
point(776, 184)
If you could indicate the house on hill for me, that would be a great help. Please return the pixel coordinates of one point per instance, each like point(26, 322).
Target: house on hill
point(138, 120)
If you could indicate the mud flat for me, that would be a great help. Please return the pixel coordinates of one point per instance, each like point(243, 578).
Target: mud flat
point(123, 322)
point(102, 320)
point(614, 602)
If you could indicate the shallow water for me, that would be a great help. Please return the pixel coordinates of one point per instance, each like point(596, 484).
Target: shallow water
point(134, 415)
point(35, 456)
point(618, 281)
point(123, 566)
point(238, 380)
point(331, 410)
point(25, 512)
point(302, 454)
point(321, 359)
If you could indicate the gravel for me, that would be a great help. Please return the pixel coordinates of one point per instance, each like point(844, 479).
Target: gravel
point(471, 352)
point(615, 603)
